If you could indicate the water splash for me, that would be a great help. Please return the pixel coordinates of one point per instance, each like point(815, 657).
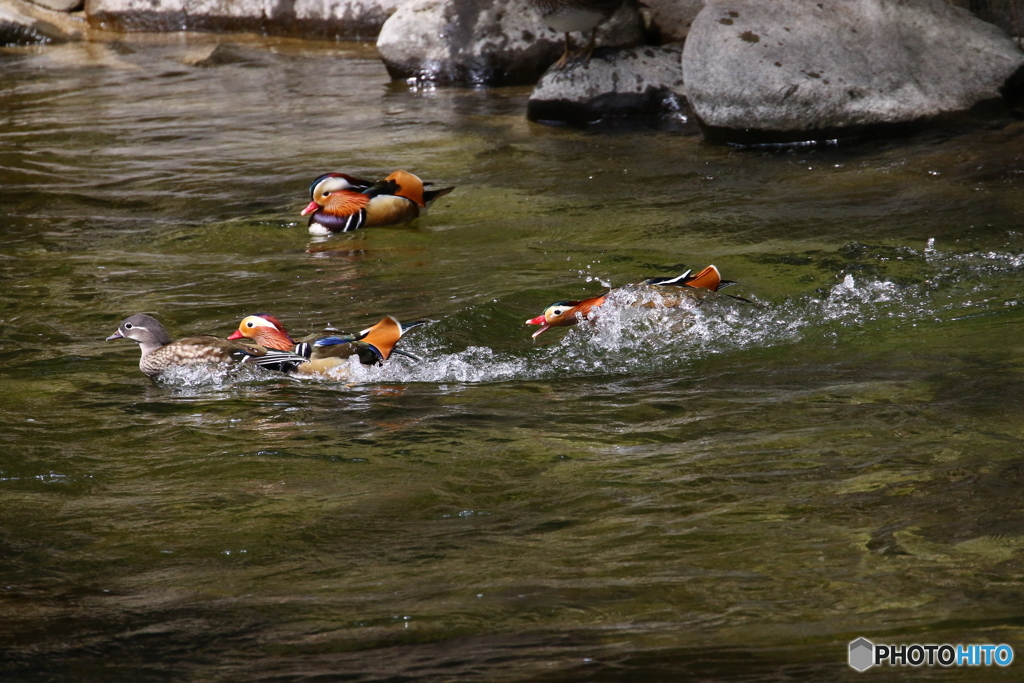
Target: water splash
point(206, 376)
point(643, 330)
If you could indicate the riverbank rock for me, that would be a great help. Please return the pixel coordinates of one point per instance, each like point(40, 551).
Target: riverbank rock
point(795, 70)
point(321, 19)
point(669, 20)
point(24, 23)
point(616, 83)
point(484, 42)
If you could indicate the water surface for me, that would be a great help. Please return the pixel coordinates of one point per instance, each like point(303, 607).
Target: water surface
point(732, 492)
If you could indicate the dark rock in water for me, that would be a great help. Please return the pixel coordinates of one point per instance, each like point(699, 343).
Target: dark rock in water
point(483, 42)
point(803, 70)
point(669, 20)
point(326, 19)
point(24, 23)
point(17, 33)
point(619, 83)
point(1006, 14)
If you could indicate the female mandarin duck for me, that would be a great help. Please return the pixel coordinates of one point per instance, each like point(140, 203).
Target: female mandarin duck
point(342, 203)
point(373, 345)
point(160, 353)
point(562, 313)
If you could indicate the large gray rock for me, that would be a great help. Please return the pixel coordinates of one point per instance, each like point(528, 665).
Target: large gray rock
point(358, 18)
point(483, 42)
point(670, 20)
point(306, 18)
point(621, 83)
point(791, 70)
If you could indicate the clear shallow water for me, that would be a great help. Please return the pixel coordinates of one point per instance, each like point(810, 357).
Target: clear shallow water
point(733, 492)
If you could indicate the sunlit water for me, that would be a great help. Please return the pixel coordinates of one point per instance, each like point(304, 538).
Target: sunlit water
point(727, 491)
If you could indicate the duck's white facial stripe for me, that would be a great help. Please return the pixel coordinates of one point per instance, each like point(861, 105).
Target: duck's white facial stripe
point(256, 321)
point(331, 185)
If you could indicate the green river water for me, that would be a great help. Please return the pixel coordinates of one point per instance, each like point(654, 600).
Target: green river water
point(733, 493)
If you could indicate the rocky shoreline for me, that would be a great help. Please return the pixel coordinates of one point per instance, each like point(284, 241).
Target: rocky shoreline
point(746, 71)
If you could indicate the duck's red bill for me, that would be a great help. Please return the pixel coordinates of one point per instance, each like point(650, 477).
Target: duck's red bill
point(237, 334)
point(313, 206)
point(539, 320)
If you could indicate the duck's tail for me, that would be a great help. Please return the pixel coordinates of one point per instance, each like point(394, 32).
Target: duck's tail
point(709, 278)
point(430, 195)
point(383, 336)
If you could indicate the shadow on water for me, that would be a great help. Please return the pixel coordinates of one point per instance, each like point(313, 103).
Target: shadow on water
point(730, 491)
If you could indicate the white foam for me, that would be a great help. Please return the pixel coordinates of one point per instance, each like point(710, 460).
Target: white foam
point(634, 333)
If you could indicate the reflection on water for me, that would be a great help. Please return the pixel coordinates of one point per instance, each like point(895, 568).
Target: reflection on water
point(728, 491)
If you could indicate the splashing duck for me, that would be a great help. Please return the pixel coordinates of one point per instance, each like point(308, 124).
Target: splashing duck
point(321, 353)
point(568, 16)
point(686, 286)
point(161, 354)
point(343, 203)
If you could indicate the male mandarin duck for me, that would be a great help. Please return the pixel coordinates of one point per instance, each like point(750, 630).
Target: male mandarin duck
point(373, 345)
point(563, 313)
point(342, 203)
point(567, 16)
point(160, 353)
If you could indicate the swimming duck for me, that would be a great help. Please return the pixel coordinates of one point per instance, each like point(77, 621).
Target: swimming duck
point(373, 345)
point(563, 313)
point(567, 16)
point(160, 353)
point(342, 203)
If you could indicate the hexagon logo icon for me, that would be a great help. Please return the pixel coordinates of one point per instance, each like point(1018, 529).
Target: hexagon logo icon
point(862, 654)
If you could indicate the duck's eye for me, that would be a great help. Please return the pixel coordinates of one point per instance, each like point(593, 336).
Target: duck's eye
point(250, 324)
point(557, 311)
point(327, 194)
point(128, 326)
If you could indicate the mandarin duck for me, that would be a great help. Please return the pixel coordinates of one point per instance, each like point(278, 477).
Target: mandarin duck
point(342, 203)
point(160, 353)
point(373, 345)
point(563, 313)
point(567, 16)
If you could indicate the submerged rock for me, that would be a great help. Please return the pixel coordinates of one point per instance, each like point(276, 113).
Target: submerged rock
point(309, 18)
point(483, 42)
point(793, 70)
point(644, 82)
point(223, 54)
